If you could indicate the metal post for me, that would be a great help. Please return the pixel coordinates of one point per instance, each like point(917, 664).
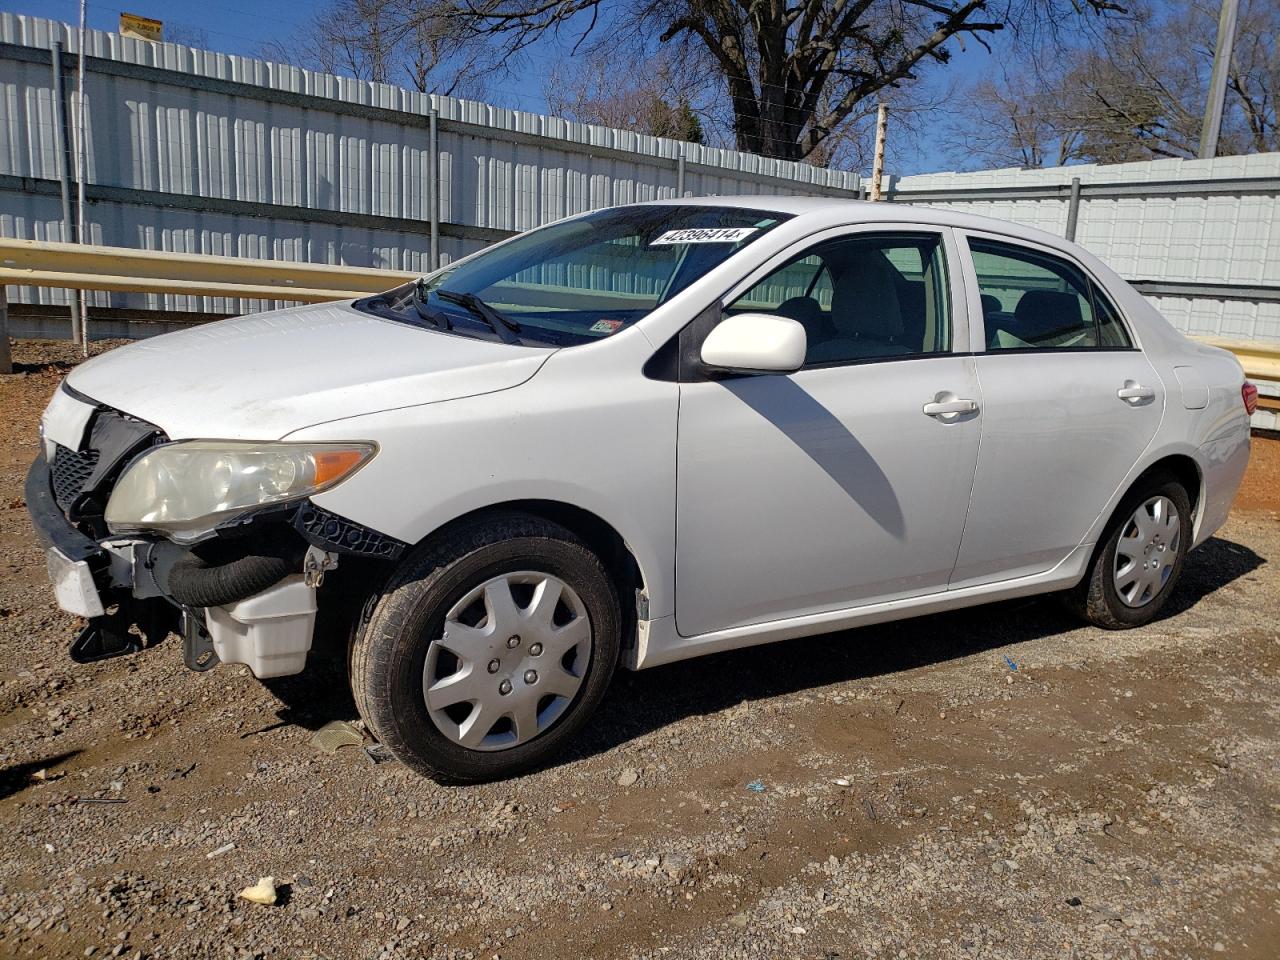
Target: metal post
point(82, 162)
point(680, 173)
point(6, 358)
point(62, 151)
point(433, 191)
point(877, 169)
point(1073, 208)
point(1218, 80)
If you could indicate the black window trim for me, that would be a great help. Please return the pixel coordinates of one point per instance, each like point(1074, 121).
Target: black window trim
point(1094, 284)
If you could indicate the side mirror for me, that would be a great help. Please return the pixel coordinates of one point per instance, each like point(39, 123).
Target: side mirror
point(756, 343)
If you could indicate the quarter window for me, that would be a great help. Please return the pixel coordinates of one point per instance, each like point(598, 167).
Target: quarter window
point(1111, 332)
point(865, 297)
point(1033, 301)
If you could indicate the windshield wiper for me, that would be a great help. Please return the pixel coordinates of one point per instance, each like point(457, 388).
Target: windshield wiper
point(504, 327)
point(437, 318)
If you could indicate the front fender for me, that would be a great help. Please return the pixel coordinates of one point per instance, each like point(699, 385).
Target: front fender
point(602, 444)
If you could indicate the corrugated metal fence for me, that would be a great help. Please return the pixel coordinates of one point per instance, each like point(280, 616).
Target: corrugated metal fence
point(198, 152)
point(1201, 238)
point(201, 152)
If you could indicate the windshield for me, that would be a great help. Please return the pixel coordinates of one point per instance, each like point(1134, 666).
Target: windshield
point(578, 280)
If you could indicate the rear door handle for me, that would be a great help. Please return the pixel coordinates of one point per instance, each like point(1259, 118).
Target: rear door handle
point(950, 408)
point(1134, 393)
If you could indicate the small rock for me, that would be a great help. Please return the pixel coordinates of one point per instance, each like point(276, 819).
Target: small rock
point(629, 777)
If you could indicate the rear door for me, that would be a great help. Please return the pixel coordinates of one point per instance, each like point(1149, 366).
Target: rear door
point(1069, 405)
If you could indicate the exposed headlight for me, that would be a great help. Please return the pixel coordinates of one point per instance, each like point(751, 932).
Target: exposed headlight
point(185, 489)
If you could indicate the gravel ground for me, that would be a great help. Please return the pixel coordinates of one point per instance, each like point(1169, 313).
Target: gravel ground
point(999, 782)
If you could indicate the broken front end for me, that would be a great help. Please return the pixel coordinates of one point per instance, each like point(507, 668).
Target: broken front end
point(216, 541)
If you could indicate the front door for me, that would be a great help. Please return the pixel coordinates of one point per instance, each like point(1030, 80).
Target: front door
point(846, 482)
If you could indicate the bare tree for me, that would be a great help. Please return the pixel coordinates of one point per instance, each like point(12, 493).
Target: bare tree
point(1011, 120)
point(1254, 79)
point(417, 43)
point(1133, 90)
point(187, 35)
point(655, 96)
point(794, 73)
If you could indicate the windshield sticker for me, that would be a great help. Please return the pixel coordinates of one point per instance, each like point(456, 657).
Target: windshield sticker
point(605, 326)
point(703, 235)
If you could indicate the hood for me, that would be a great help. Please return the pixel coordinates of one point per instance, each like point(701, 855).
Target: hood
point(263, 376)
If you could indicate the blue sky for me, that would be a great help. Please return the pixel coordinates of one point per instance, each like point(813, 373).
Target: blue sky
point(237, 27)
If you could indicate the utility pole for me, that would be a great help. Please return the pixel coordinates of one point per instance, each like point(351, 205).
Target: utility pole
point(81, 163)
point(63, 139)
point(877, 168)
point(1218, 80)
point(6, 355)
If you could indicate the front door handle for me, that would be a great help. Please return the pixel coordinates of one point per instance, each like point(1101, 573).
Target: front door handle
point(1135, 394)
point(945, 409)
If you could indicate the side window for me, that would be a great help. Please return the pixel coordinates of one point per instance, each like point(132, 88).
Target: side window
point(803, 279)
point(1033, 301)
point(860, 298)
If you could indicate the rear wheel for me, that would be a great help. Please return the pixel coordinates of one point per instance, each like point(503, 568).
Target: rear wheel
point(1137, 565)
point(488, 650)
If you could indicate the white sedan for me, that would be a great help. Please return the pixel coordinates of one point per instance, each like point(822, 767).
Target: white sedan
point(637, 435)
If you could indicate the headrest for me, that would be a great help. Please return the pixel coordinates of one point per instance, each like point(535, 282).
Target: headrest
point(864, 297)
point(805, 309)
point(1042, 315)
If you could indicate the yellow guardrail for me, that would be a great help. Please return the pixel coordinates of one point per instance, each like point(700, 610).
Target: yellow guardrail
point(1260, 360)
point(74, 266)
point(41, 263)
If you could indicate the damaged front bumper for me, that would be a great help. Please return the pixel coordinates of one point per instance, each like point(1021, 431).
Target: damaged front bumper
point(249, 600)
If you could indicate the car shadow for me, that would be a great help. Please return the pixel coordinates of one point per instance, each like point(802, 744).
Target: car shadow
point(825, 439)
point(18, 776)
point(641, 702)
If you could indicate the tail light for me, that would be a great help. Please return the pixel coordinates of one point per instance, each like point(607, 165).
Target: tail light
point(1249, 393)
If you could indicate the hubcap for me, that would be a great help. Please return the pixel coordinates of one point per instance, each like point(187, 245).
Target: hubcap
point(1147, 551)
point(511, 658)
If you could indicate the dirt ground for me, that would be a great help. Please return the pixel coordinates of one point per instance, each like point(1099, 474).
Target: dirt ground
point(1000, 783)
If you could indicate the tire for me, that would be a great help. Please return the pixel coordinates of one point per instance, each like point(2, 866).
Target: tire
point(404, 646)
point(1098, 598)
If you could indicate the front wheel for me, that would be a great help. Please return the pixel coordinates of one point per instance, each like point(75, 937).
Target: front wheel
point(488, 650)
point(1137, 565)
